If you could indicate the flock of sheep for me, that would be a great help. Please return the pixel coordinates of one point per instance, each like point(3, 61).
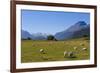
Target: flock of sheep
point(70, 54)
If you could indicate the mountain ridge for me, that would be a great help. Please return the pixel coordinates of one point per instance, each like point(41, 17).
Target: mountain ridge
point(77, 30)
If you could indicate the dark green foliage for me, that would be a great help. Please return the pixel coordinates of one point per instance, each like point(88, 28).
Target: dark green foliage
point(51, 37)
point(85, 35)
point(29, 38)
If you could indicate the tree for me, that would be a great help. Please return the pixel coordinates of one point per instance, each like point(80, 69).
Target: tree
point(29, 38)
point(51, 37)
point(85, 35)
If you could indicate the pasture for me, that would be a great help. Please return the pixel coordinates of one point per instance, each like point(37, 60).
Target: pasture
point(54, 50)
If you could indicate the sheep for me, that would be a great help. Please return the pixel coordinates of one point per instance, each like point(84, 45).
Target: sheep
point(84, 49)
point(75, 48)
point(71, 54)
point(65, 53)
point(42, 51)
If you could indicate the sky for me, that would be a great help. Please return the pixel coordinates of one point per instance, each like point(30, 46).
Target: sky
point(50, 22)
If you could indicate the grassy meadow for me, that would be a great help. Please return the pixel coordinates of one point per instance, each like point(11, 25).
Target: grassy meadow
point(54, 50)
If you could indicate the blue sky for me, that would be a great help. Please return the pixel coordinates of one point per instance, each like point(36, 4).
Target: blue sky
point(50, 22)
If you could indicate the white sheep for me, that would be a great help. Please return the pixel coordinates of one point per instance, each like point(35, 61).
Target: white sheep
point(42, 51)
point(75, 48)
point(84, 48)
point(65, 53)
point(71, 54)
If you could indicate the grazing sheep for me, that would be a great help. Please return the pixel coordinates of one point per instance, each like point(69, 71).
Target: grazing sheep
point(84, 49)
point(42, 51)
point(65, 53)
point(75, 48)
point(71, 54)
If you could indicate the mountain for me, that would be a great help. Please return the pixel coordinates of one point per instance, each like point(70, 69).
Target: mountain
point(80, 29)
point(35, 36)
point(75, 31)
point(39, 36)
point(25, 35)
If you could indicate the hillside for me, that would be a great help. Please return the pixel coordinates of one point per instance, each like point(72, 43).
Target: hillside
point(77, 30)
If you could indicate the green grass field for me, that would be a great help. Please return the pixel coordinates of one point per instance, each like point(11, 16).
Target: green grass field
point(30, 50)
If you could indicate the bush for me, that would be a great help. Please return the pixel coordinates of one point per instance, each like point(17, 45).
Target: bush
point(85, 35)
point(29, 38)
point(51, 37)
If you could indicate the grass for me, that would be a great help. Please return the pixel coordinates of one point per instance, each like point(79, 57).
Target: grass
point(54, 50)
